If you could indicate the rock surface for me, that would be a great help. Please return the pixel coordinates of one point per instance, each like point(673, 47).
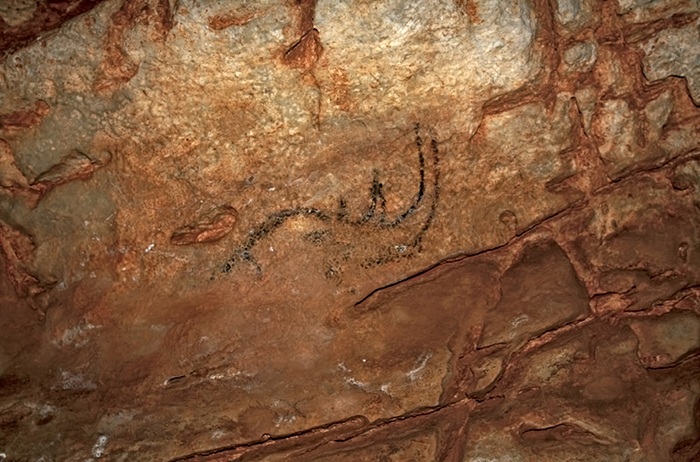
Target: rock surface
point(350, 230)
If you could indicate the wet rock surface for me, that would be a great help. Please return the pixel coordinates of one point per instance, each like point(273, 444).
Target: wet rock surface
point(350, 230)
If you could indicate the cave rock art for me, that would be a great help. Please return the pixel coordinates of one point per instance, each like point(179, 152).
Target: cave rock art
point(350, 230)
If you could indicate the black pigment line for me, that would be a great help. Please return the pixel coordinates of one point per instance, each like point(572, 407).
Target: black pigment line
point(421, 185)
point(436, 195)
point(272, 222)
point(377, 208)
point(395, 252)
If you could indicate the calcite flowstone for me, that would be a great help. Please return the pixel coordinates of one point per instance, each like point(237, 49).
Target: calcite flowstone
point(350, 230)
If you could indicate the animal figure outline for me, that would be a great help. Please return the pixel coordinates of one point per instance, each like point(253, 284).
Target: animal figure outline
point(375, 215)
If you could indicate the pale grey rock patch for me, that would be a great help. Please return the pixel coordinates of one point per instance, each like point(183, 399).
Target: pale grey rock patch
point(649, 10)
point(568, 10)
point(619, 130)
point(581, 57)
point(399, 55)
point(15, 12)
point(586, 99)
point(687, 175)
point(656, 114)
point(675, 52)
point(71, 381)
point(573, 15)
point(616, 127)
point(63, 80)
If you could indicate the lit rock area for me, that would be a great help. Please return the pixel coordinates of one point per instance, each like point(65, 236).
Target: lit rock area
point(350, 230)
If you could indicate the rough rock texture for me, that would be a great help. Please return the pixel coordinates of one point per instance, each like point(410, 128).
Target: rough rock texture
point(350, 230)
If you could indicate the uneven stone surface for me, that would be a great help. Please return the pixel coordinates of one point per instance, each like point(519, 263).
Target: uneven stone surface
point(348, 230)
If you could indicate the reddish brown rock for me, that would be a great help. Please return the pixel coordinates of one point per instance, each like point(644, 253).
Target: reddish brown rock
point(74, 166)
point(117, 67)
point(304, 53)
point(17, 248)
point(452, 231)
point(210, 227)
point(667, 340)
point(540, 292)
point(222, 21)
point(11, 177)
point(24, 119)
point(45, 15)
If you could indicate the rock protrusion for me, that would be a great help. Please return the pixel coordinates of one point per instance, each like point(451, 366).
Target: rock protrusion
point(210, 227)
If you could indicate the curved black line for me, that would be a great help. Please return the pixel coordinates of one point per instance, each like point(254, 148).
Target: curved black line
point(377, 207)
point(436, 194)
point(421, 186)
point(272, 222)
point(375, 195)
point(378, 200)
point(277, 219)
point(393, 253)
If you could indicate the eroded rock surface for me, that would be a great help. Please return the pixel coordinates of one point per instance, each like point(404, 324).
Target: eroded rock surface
point(350, 230)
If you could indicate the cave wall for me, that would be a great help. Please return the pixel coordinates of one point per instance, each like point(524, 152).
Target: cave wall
point(350, 230)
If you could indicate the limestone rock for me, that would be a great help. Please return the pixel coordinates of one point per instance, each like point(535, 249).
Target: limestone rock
point(212, 226)
point(645, 10)
point(12, 177)
point(24, 119)
point(675, 52)
point(581, 57)
point(665, 341)
point(17, 248)
point(533, 301)
point(349, 230)
point(573, 15)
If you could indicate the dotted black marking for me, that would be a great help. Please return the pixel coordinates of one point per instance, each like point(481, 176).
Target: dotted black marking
point(376, 214)
point(317, 237)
